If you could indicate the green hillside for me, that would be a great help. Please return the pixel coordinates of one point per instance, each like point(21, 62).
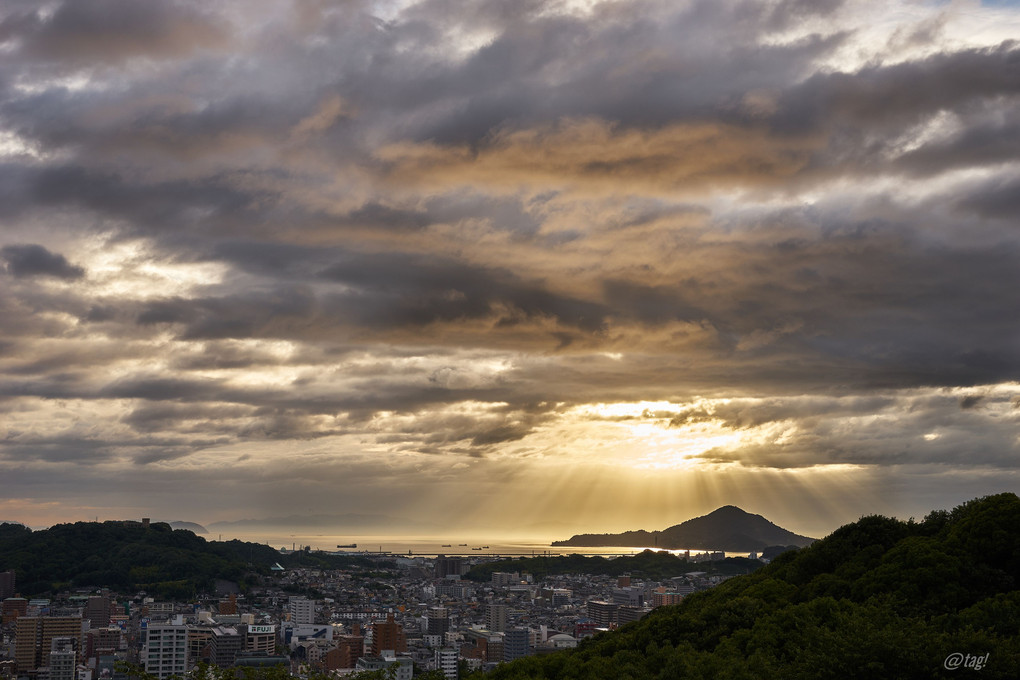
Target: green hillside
point(127, 556)
point(879, 598)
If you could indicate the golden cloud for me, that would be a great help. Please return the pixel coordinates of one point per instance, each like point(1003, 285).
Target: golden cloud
point(597, 155)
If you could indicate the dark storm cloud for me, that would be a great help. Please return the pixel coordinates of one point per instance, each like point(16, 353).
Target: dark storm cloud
point(881, 97)
point(655, 304)
point(997, 199)
point(480, 431)
point(284, 425)
point(865, 114)
point(266, 258)
point(27, 260)
point(149, 206)
point(57, 449)
point(87, 451)
point(160, 416)
point(504, 214)
point(971, 401)
point(419, 290)
point(161, 389)
point(619, 56)
point(980, 144)
point(384, 291)
point(111, 31)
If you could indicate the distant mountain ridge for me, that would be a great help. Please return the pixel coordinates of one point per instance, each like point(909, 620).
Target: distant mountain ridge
point(729, 528)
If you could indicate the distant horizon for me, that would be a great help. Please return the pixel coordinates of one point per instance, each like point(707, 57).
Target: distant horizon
point(469, 534)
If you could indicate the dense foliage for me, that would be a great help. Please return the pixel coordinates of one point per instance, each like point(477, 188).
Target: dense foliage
point(127, 556)
point(879, 598)
point(648, 564)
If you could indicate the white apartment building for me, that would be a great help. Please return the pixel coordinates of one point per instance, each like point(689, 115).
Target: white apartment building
point(302, 610)
point(446, 661)
point(62, 659)
point(165, 651)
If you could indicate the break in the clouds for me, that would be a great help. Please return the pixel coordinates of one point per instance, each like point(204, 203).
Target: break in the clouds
point(621, 262)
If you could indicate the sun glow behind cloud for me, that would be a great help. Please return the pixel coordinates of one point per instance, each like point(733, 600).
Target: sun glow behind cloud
point(134, 270)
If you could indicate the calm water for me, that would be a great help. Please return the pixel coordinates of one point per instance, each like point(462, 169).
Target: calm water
point(421, 545)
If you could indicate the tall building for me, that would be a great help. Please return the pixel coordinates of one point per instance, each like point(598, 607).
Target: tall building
point(350, 648)
point(437, 621)
point(449, 566)
point(515, 644)
point(260, 639)
point(558, 597)
point(63, 658)
point(332, 660)
point(388, 635)
point(199, 644)
point(661, 598)
point(602, 613)
point(12, 608)
point(454, 589)
point(495, 617)
point(482, 644)
point(446, 661)
point(165, 648)
point(626, 613)
point(102, 642)
point(226, 645)
point(302, 610)
point(35, 638)
point(7, 584)
point(631, 596)
point(229, 606)
point(503, 578)
point(97, 611)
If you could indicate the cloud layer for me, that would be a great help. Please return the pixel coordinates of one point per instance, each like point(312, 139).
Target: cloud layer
point(446, 253)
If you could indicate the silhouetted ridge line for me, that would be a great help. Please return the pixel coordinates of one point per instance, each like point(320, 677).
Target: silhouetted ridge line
point(728, 528)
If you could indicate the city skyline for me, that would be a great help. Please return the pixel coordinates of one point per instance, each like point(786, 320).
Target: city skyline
point(505, 265)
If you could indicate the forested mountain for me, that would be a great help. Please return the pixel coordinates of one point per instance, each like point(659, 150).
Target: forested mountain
point(130, 556)
point(879, 598)
point(728, 528)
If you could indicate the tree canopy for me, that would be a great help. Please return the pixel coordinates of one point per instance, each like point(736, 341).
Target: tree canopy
point(125, 556)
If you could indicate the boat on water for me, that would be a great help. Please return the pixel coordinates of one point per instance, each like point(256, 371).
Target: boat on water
point(350, 545)
point(464, 544)
point(476, 548)
point(446, 545)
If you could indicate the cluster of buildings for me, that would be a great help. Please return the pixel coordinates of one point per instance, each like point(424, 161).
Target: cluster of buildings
point(406, 614)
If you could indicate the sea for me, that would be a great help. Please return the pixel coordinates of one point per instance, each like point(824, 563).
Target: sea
point(428, 546)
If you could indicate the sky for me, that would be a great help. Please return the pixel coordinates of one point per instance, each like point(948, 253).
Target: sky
point(527, 267)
